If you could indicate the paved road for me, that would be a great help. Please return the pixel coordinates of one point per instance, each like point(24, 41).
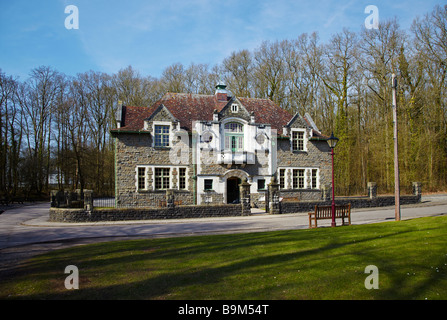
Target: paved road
point(26, 231)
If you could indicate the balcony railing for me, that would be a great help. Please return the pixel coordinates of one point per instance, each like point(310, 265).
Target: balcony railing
point(236, 157)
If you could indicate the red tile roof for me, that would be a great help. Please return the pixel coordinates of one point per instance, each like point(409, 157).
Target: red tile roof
point(195, 107)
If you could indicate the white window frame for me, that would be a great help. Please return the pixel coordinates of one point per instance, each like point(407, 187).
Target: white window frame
point(152, 177)
point(317, 179)
point(305, 140)
point(288, 172)
point(162, 177)
point(186, 178)
point(283, 177)
point(298, 177)
point(166, 124)
point(137, 178)
point(204, 184)
point(240, 136)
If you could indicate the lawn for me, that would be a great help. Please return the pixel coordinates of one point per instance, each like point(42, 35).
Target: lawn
point(324, 263)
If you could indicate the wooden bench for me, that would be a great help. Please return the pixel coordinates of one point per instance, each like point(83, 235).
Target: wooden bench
point(325, 212)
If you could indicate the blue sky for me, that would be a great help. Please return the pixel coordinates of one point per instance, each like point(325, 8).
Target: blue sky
point(151, 35)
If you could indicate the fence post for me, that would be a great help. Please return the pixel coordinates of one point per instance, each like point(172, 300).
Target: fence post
point(88, 200)
point(326, 192)
point(274, 202)
point(244, 189)
point(53, 196)
point(372, 190)
point(417, 190)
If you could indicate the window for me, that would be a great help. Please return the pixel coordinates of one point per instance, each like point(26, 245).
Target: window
point(282, 178)
point(234, 108)
point(208, 184)
point(234, 136)
point(161, 136)
point(141, 179)
point(161, 178)
point(297, 141)
point(298, 179)
point(234, 127)
point(207, 137)
point(261, 184)
point(314, 178)
point(260, 139)
point(182, 178)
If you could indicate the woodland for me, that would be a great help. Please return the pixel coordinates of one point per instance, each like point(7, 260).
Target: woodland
point(55, 128)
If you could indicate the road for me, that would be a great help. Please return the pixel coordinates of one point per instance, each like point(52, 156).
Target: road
point(26, 231)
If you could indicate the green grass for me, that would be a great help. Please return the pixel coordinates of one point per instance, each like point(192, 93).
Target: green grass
point(324, 263)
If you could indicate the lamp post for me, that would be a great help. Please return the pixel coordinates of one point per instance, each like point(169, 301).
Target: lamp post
point(332, 142)
point(396, 152)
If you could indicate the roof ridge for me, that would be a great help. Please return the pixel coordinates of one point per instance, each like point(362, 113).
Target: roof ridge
point(189, 107)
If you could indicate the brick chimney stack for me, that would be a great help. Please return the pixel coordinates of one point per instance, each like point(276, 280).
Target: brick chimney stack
point(221, 91)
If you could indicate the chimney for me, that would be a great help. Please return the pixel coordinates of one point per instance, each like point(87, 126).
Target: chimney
point(119, 114)
point(221, 91)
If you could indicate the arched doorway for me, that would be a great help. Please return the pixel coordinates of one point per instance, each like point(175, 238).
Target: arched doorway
point(233, 193)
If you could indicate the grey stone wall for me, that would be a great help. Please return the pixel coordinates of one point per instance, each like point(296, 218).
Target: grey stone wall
point(317, 156)
point(356, 202)
point(152, 199)
point(211, 196)
point(183, 212)
point(180, 212)
point(258, 199)
point(290, 195)
point(135, 149)
point(132, 150)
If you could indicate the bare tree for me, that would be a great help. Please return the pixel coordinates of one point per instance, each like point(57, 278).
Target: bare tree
point(133, 89)
point(269, 72)
point(237, 70)
point(37, 98)
point(11, 130)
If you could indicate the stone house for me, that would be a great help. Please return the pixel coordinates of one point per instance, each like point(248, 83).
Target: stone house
point(201, 147)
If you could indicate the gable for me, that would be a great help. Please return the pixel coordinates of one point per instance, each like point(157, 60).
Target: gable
point(234, 109)
point(297, 122)
point(161, 114)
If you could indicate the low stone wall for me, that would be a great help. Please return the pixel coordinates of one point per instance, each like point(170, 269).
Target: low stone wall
point(301, 195)
point(179, 212)
point(356, 202)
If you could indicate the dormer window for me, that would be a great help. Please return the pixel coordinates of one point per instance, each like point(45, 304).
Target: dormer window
point(161, 136)
point(298, 140)
point(234, 108)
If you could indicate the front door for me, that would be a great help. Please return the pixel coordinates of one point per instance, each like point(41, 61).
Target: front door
point(233, 195)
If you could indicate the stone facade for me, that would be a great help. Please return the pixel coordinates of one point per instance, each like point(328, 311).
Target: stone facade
point(230, 210)
point(356, 202)
point(179, 212)
point(201, 148)
point(317, 157)
point(137, 151)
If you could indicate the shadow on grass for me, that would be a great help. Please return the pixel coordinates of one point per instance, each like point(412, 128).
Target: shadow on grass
point(255, 251)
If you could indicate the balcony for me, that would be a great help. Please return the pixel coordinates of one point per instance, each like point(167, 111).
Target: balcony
point(236, 157)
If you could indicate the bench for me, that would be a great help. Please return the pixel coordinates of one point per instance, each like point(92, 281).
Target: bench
point(325, 212)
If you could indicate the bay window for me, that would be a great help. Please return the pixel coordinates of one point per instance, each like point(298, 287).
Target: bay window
point(234, 136)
